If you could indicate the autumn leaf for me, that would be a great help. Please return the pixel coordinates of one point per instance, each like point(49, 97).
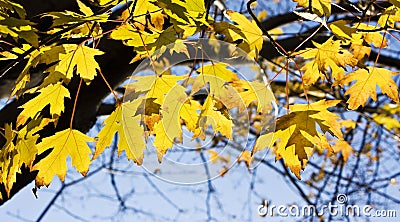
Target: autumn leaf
point(365, 84)
point(52, 95)
point(154, 86)
point(81, 57)
point(169, 128)
point(84, 9)
point(133, 132)
point(64, 143)
point(170, 111)
point(217, 75)
point(388, 122)
point(144, 8)
point(162, 141)
point(68, 17)
point(390, 16)
point(296, 133)
point(256, 91)
point(14, 157)
point(210, 115)
point(189, 114)
point(116, 123)
point(320, 7)
point(343, 147)
point(294, 158)
point(246, 157)
point(329, 55)
point(253, 35)
point(374, 38)
point(9, 164)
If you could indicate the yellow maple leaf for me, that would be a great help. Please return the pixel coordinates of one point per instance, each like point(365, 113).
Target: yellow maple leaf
point(189, 114)
point(133, 132)
point(296, 133)
point(390, 16)
point(116, 123)
point(231, 32)
point(144, 8)
point(134, 37)
point(13, 157)
point(326, 120)
point(327, 55)
point(52, 94)
point(162, 141)
point(26, 145)
point(210, 115)
point(9, 160)
point(170, 111)
point(257, 91)
point(65, 143)
point(294, 158)
point(81, 57)
point(365, 85)
point(84, 9)
point(375, 38)
point(320, 7)
point(217, 75)
point(155, 86)
point(387, 121)
point(253, 35)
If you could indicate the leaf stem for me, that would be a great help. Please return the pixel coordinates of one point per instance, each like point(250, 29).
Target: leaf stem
point(75, 102)
point(108, 85)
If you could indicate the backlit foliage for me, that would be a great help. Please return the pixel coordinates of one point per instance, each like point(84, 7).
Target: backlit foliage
point(307, 127)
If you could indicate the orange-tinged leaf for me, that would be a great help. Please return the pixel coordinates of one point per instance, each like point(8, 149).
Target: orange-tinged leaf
point(246, 157)
point(344, 147)
point(52, 95)
point(365, 84)
point(65, 143)
point(360, 51)
point(213, 155)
